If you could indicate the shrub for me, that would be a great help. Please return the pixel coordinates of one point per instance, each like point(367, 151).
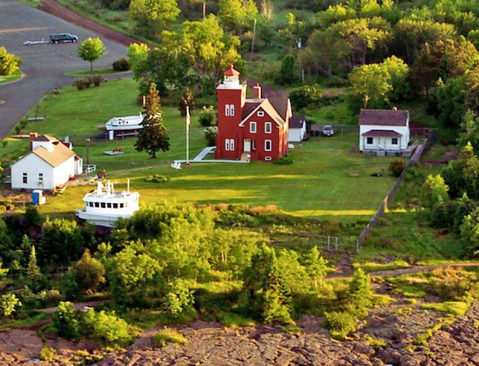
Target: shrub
point(9, 63)
point(306, 95)
point(157, 178)
point(121, 65)
point(65, 321)
point(108, 329)
point(8, 303)
point(47, 354)
point(178, 297)
point(82, 83)
point(397, 166)
point(285, 160)
point(97, 80)
point(167, 335)
point(210, 135)
point(207, 116)
point(340, 324)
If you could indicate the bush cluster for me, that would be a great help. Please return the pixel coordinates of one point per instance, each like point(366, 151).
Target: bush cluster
point(84, 83)
point(121, 65)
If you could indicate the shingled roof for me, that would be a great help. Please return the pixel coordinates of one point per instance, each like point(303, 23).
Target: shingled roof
point(297, 121)
point(57, 156)
point(382, 117)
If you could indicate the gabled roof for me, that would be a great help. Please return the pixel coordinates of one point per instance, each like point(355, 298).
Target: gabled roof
point(382, 117)
point(382, 133)
point(297, 121)
point(266, 106)
point(44, 138)
point(282, 106)
point(249, 107)
point(57, 156)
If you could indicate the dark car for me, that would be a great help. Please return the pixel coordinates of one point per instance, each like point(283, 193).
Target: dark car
point(63, 37)
point(328, 130)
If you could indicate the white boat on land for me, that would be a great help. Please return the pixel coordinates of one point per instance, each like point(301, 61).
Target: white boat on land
point(127, 123)
point(104, 206)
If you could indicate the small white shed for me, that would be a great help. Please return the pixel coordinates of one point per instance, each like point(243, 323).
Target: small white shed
point(297, 128)
point(383, 132)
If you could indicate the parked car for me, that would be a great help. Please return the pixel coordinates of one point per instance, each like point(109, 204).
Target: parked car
point(63, 37)
point(328, 130)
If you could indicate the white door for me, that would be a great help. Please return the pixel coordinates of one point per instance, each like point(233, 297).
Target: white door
point(247, 146)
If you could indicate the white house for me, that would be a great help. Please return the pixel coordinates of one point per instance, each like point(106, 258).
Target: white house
point(297, 128)
point(49, 164)
point(383, 132)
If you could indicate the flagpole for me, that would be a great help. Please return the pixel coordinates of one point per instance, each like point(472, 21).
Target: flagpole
point(187, 135)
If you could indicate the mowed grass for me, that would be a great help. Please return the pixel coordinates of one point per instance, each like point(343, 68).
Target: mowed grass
point(317, 184)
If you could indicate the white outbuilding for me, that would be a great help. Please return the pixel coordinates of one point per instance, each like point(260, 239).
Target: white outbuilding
point(297, 128)
point(49, 164)
point(383, 132)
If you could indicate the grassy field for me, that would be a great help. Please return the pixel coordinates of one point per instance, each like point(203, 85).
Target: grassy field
point(316, 185)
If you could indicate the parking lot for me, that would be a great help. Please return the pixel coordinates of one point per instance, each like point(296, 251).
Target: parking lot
point(44, 65)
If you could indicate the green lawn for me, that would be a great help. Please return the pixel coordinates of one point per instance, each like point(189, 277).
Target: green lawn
point(9, 78)
point(316, 185)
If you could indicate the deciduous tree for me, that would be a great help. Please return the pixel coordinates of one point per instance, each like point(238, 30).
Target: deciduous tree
point(91, 50)
point(152, 16)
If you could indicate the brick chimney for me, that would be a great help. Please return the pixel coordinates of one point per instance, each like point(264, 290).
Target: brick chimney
point(257, 91)
point(33, 136)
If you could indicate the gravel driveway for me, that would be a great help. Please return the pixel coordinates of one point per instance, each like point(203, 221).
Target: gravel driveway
point(44, 65)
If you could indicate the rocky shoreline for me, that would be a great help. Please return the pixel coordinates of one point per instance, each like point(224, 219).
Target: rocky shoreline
point(209, 343)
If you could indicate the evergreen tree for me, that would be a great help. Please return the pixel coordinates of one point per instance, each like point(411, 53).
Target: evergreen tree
point(153, 137)
point(33, 271)
point(265, 293)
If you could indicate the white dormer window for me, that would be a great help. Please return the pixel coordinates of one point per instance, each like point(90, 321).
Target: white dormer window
point(232, 110)
point(252, 127)
point(260, 114)
point(267, 127)
point(227, 110)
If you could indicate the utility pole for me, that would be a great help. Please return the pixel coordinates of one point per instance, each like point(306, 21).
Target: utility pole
point(252, 41)
point(88, 152)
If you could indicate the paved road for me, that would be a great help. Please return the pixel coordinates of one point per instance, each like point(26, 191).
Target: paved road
point(44, 65)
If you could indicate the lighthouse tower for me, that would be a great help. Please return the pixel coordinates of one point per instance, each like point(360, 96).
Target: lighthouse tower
point(231, 96)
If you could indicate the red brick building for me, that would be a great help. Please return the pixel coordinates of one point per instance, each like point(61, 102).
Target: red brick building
point(257, 127)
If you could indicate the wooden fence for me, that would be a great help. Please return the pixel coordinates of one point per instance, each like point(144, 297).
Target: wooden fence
point(418, 153)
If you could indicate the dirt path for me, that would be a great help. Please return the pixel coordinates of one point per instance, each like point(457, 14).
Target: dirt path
point(60, 11)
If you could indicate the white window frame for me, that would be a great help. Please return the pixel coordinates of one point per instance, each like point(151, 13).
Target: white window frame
point(227, 145)
point(266, 143)
point(227, 110)
point(252, 127)
point(394, 141)
point(260, 113)
point(232, 145)
point(367, 140)
point(268, 127)
point(232, 110)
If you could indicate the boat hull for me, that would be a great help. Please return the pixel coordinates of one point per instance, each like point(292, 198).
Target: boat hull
point(100, 219)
